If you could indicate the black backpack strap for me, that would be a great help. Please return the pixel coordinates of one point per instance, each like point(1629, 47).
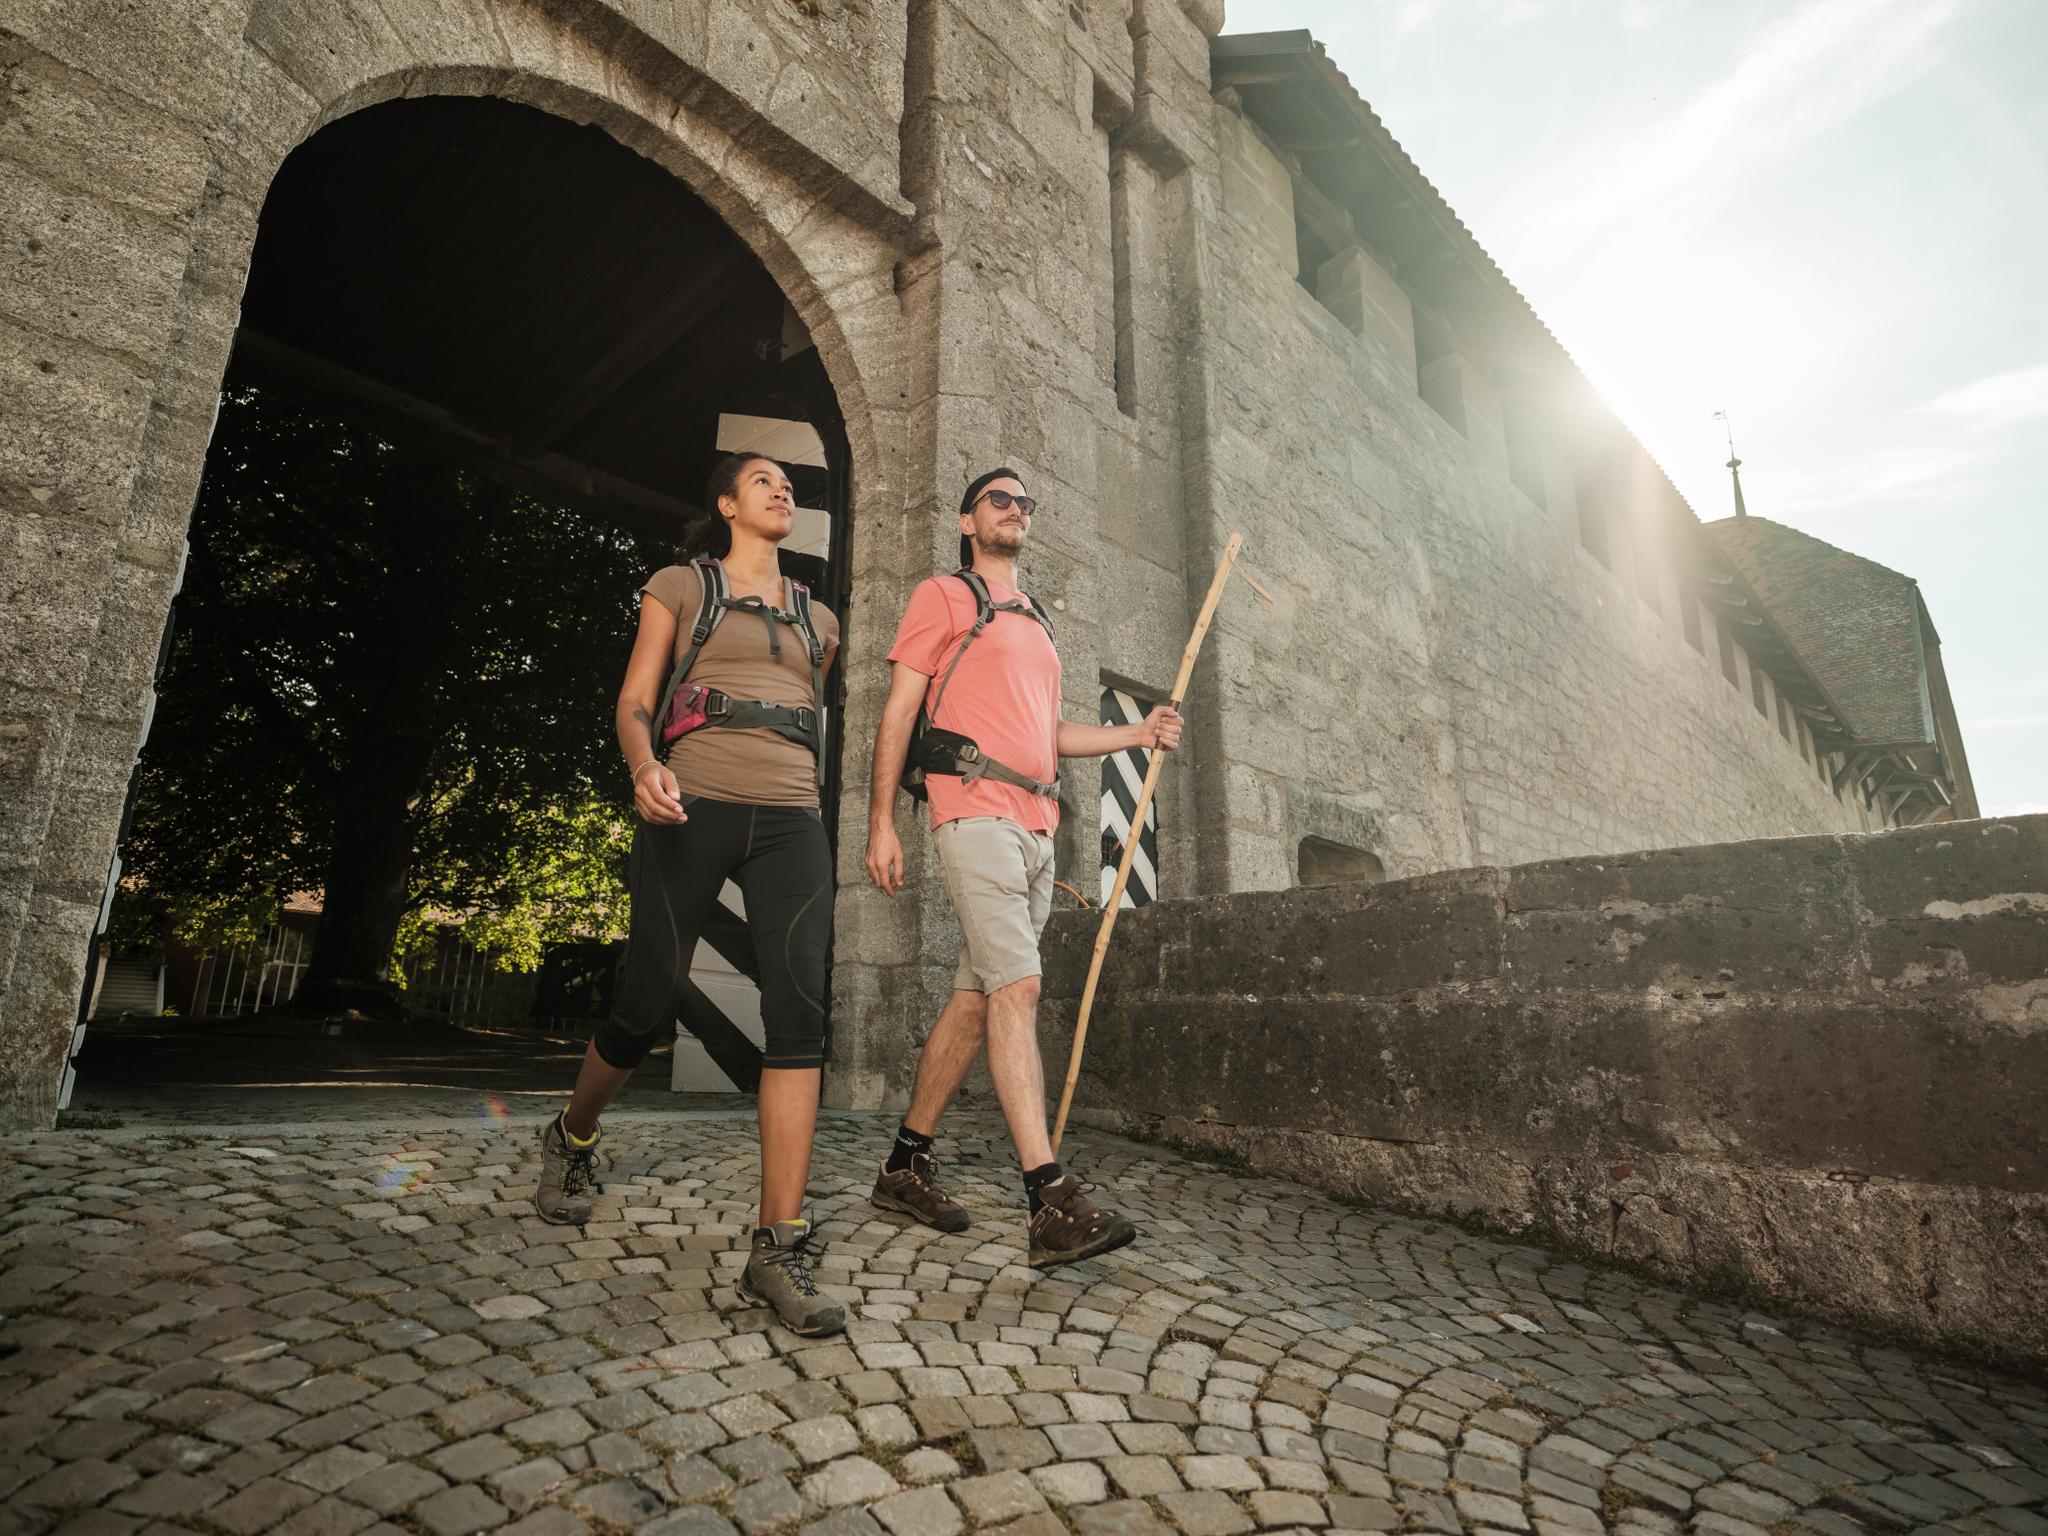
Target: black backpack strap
point(800, 603)
point(713, 597)
point(985, 606)
point(1044, 619)
point(984, 610)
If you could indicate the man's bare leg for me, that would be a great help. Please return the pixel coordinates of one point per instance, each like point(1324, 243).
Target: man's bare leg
point(908, 1181)
point(1062, 1223)
point(1014, 1063)
point(943, 1065)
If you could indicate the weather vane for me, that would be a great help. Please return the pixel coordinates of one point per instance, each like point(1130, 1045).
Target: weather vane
point(1734, 464)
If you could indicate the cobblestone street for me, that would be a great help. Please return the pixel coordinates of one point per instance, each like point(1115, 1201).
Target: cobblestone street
point(327, 1326)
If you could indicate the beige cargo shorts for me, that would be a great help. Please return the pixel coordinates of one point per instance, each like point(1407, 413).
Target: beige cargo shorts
point(999, 878)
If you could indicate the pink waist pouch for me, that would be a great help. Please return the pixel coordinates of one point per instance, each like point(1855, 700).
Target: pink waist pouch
point(686, 713)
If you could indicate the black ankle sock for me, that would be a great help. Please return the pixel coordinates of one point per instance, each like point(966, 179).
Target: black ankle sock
point(1035, 1180)
point(908, 1145)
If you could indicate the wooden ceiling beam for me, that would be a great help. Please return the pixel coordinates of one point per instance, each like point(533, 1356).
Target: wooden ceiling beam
point(546, 476)
point(710, 286)
point(1328, 220)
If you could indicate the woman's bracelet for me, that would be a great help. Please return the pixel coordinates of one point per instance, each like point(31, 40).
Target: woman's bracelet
point(643, 768)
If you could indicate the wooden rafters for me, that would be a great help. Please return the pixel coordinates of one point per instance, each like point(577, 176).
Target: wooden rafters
point(661, 328)
point(545, 474)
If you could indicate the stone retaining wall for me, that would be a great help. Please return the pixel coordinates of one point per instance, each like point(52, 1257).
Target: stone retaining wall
point(1815, 1065)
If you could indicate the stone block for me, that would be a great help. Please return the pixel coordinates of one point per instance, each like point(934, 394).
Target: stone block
point(87, 271)
point(850, 1480)
point(1347, 940)
point(76, 423)
point(1457, 391)
point(921, 1512)
point(1258, 194)
point(1950, 870)
point(1374, 307)
point(141, 156)
point(2005, 939)
point(175, 61)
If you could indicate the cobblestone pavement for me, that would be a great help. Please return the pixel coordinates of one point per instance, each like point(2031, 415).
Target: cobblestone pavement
point(332, 1329)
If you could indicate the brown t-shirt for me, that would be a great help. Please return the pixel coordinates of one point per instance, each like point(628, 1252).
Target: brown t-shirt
point(755, 766)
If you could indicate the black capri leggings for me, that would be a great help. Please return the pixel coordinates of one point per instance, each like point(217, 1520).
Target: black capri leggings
point(782, 862)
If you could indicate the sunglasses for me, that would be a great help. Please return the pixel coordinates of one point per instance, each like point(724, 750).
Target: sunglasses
point(1001, 500)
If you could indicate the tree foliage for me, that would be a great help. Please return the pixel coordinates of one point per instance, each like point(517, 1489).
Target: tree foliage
point(392, 682)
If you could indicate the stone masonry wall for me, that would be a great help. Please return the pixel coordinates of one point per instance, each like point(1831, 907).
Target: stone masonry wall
point(1047, 150)
point(1018, 232)
point(137, 147)
point(1449, 679)
point(1816, 1065)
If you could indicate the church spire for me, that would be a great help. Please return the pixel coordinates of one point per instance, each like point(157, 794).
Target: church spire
point(1734, 464)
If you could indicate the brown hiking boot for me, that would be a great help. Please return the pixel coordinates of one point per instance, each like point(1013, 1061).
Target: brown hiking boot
point(1070, 1226)
point(915, 1192)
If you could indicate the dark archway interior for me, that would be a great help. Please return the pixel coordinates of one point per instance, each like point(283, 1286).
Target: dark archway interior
point(538, 301)
point(529, 302)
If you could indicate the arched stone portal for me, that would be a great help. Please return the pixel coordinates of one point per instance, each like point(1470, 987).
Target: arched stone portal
point(828, 242)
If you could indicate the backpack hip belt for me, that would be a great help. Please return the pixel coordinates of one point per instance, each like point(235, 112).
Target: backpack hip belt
point(700, 708)
point(973, 764)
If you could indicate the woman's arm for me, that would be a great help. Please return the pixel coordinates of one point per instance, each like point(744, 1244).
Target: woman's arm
point(654, 788)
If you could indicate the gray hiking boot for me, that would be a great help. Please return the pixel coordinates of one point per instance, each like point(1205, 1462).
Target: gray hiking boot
point(778, 1275)
point(568, 1177)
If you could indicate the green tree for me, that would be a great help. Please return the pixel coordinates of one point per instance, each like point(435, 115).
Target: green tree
point(392, 683)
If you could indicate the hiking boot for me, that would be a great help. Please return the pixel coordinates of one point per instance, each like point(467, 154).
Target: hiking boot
point(778, 1275)
point(915, 1192)
point(568, 1177)
point(1070, 1226)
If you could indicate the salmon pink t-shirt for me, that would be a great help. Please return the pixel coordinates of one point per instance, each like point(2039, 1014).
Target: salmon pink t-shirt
point(1005, 694)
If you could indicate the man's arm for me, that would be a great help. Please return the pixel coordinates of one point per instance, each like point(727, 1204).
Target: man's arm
point(892, 747)
point(1159, 729)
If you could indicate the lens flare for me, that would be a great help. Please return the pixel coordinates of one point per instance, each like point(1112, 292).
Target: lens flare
point(496, 1111)
point(403, 1172)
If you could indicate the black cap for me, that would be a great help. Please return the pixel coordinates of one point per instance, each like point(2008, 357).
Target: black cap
point(972, 494)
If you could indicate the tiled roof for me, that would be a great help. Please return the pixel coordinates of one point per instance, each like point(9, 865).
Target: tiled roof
point(1854, 624)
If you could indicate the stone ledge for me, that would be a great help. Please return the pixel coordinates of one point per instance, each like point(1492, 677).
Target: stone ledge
point(1810, 1066)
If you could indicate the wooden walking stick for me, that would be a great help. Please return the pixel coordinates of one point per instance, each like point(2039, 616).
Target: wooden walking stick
point(1123, 868)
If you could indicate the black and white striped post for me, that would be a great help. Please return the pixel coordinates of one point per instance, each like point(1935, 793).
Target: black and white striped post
point(1113, 903)
point(1123, 775)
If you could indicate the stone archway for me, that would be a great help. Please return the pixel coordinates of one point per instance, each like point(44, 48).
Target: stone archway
point(829, 244)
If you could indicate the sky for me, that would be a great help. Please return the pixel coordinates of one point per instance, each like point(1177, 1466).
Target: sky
point(1828, 218)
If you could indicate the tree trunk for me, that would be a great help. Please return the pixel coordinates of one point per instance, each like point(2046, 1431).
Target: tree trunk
point(364, 898)
point(393, 679)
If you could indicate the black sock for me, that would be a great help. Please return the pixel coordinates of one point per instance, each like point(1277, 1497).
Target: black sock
point(908, 1145)
point(1035, 1180)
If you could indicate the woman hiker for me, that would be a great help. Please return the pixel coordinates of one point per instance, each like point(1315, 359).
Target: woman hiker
point(719, 726)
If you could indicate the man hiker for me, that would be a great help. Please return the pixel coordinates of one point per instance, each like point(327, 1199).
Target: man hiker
point(974, 662)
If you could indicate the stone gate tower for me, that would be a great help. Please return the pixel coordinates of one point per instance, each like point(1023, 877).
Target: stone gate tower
point(1186, 281)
